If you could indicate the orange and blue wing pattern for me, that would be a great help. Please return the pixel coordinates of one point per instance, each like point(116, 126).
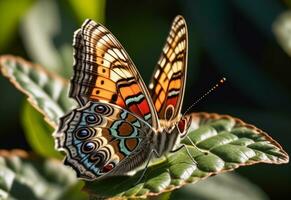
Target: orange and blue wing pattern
point(104, 72)
point(118, 124)
point(168, 81)
point(99, 137)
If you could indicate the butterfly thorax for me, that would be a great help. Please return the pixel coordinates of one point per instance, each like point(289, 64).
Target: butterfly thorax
point(169, 136)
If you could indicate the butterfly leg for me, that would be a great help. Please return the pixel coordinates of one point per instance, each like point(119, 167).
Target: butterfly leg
point(148, 161)
point(187, 150)
point(192, 143)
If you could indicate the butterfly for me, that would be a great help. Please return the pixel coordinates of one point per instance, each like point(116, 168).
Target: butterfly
point(120, 123)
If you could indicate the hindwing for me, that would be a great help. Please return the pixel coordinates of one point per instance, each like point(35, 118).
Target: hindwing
point(99, 136)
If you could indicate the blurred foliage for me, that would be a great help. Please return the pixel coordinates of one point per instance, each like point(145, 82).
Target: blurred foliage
point(48, 38)
point(11, 13)
point(232, 61)
point(89, 9)
point(227, 38)
point(38, 133)
point(30, 177)
point(222, 187)
point(282, 31)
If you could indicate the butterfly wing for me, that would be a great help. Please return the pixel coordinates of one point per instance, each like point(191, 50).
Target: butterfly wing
point(99, 137)
point(104, 72)
point(167, 84)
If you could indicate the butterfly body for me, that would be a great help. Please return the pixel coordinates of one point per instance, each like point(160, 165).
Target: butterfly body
point(120, 122)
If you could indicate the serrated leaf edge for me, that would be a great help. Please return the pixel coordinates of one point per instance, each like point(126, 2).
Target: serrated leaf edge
point(196, 119)
point(37, 67)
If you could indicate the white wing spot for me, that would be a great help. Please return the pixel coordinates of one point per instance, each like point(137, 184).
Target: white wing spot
point(108, 57)
point(112, 53)
point(106, 38)
point(163, 62)
point(119, 53)
point(151, 86)
point(157, 73)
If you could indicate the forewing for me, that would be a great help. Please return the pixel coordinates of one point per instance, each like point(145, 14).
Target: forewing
point(99, 136)
point(167, 84)
point(104, 72)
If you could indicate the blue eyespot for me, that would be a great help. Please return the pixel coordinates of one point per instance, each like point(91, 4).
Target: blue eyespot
point(83, 133)
point(91, 119)
point(88, 147)
point(100, 108)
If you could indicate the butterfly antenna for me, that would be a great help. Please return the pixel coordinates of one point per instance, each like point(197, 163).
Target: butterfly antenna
point(221, 81)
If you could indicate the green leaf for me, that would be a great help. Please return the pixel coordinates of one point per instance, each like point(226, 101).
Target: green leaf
point(10, 14)
point(89, 9)
point(221, 143)
point(47, 92)
point(38, 133)
point(24, 176)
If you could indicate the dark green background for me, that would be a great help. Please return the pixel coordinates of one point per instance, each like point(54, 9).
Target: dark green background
point(231, 39)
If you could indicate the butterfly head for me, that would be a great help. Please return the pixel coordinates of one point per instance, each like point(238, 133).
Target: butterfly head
point(183, 125)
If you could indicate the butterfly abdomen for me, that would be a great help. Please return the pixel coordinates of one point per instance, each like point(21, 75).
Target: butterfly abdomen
point(165, 141)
